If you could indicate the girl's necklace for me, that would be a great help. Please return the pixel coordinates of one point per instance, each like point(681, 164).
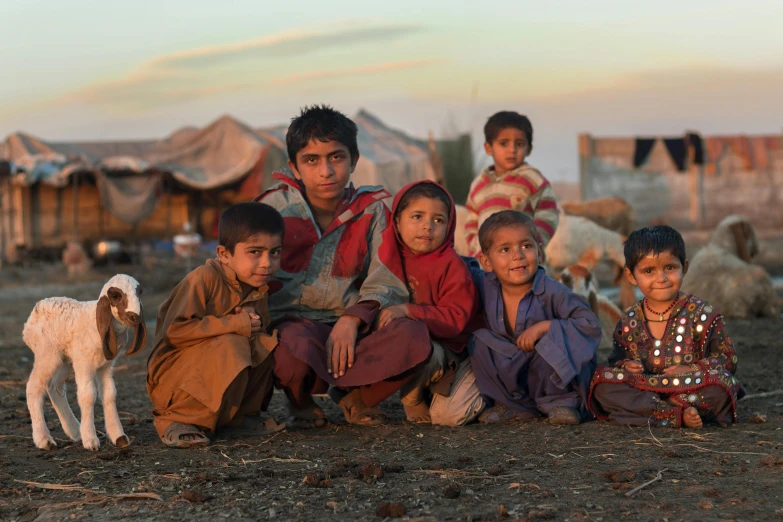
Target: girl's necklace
point(659, 314)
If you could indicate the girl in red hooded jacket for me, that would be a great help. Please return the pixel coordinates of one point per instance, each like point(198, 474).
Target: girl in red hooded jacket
point(442, 292)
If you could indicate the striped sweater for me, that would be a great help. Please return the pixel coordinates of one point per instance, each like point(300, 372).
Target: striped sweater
point(524, 189)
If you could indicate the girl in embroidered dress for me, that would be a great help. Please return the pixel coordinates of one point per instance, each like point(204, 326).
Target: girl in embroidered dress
point(673, 363)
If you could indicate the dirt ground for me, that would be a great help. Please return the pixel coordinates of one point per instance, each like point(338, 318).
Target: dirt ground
point(527, 471)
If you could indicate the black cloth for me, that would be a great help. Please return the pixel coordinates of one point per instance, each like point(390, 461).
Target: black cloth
point(642, 151)
point(698, 148)
point(677, 151)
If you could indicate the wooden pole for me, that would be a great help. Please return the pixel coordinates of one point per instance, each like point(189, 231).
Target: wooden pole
point(694, 183)
point(586, 152)
point(11, 223)
point(3, 197)
point(75, 231)
point(58, 225)
point(169, 204)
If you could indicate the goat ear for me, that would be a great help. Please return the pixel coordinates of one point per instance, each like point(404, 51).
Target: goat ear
point(567, 280)
point(593, 300)
point(103, 318)
point(139, 335)
point(740, 239)
point(752, 240)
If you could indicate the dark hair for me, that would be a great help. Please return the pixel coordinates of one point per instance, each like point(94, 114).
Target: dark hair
point(504, 218)
point(508, 119)
point(321, 122)
point(423, 190)
point(244, 220)
point(661, 238)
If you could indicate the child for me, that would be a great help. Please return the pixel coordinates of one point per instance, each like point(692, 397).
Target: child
point(340, 266)
point(539, 352)
point(443, 295)
point(211, 364)
point(510, 183)
point(673, 362)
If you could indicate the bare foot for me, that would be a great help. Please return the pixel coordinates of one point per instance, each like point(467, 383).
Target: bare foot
point(418, 414)
point(690, 417)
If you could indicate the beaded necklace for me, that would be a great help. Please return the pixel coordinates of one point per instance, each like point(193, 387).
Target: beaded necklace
point(659, 314)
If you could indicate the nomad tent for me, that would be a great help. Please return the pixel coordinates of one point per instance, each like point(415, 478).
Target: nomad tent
point(54, 192)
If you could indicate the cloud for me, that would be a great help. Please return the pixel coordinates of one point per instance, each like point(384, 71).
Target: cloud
point(285, 44)
point(195, 73)
point(354, 71)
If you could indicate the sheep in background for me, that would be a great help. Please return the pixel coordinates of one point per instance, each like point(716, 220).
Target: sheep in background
point(610, 212)
point(85, 335)
point(582, 282)
point(75, 258)
point(579, 241)
point(721, 273)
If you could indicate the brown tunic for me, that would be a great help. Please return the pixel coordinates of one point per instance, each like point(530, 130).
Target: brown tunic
point(201, 346)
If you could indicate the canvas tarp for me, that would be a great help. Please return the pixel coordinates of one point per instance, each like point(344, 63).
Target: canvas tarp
point(225, 153)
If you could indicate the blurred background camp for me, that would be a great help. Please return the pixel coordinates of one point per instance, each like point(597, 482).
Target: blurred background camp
point(125, 124)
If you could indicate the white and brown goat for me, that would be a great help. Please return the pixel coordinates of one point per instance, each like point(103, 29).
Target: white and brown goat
point(84, 335)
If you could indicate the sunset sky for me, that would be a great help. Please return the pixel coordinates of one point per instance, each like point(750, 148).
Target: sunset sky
point(118, 69)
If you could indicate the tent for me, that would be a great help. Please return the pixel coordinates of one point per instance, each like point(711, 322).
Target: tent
point(51, 192)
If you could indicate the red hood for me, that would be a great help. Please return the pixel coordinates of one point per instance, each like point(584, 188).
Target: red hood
point(448, 243)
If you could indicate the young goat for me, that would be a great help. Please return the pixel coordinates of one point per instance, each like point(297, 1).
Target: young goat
point(583, 282)
point(722, 273)
point(86, 335)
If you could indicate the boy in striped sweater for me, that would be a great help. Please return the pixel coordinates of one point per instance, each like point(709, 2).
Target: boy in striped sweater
point(510, 183)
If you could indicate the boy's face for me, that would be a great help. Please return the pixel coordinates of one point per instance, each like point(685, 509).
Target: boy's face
point(423, 224)
point(325, 168)
point(254, 260)
point(508, 150)
point(658, 276)
point(513, 256)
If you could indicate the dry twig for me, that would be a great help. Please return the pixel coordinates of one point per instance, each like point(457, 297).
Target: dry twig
point(658, 477)
point(762, 395)
point(91, 492)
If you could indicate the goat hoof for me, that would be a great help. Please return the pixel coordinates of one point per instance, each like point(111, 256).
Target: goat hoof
point(47, 444)
point(92, 444)
point(122, 441)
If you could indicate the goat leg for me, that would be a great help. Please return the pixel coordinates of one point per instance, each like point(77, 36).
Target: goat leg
point(87, 392)
point(114, 429)
point(36, 387)
point(60, 402)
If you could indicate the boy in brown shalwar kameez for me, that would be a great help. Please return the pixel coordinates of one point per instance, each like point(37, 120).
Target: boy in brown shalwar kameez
point(211, 365)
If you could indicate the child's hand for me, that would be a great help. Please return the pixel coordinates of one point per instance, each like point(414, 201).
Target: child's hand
point(677, 369)
point(633, 367)
point(341, 345)
point(255, 319)
point(391, 313)
point(528, 339)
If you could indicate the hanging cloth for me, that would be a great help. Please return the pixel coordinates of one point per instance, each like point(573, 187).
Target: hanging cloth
point(677, 151)
point(698, 148)
point(642, 151)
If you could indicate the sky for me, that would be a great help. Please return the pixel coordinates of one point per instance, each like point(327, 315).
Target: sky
point(120, 69)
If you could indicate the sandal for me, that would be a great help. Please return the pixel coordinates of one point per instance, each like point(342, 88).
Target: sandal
point(305, 419)
point(502, 413)
point(564, 415)
point(355, 410)
point(172, 436)
point(418, 413)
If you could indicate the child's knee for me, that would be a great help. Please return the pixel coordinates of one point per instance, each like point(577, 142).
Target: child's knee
point(287, 368)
